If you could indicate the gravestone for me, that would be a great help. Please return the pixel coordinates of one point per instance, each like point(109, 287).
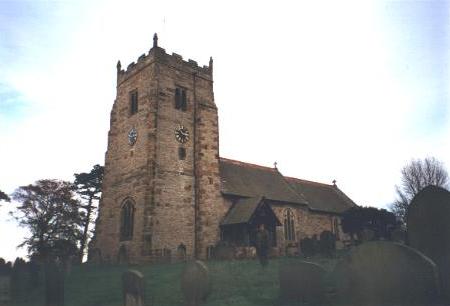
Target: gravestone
point(195, 283)
point(224, 252)
point(385, 273)
point(122, 256)
point(133, 288)
point(5, 290)
point(428, 230)
point(302, 281)
point(54, 284)
point(181, 252)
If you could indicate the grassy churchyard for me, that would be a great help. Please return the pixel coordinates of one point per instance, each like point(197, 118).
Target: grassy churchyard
point(236, 282)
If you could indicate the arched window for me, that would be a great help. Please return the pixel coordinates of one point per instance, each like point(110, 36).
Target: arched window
point(127, 220)
point(289, 229)
point(336, 228)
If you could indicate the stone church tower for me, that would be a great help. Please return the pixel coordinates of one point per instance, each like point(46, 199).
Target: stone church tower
point(161, 189)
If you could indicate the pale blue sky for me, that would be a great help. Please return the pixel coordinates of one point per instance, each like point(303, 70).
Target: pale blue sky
point(417, 34)
point(345, 90)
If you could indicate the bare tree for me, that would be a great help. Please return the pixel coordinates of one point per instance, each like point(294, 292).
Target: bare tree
point(4, 197)
point(416, 175)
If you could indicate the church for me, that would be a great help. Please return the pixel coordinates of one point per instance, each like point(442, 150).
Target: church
point(167, 190)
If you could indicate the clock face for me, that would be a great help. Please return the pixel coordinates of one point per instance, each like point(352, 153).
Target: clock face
point(132, 136)
point(181, 134)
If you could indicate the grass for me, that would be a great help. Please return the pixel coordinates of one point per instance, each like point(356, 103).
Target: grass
point(236, 282)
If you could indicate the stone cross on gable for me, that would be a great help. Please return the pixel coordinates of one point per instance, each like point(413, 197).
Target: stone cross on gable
point(275, 165)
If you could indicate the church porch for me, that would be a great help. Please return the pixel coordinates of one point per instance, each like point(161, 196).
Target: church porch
point(239, 226)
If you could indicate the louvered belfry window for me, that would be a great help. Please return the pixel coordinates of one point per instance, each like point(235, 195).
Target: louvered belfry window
point(133, 102)
point(180, 99)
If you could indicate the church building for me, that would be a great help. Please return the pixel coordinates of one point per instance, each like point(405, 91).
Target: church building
point(167, 191)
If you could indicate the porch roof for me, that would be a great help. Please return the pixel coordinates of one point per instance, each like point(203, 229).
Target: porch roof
point(243, 210)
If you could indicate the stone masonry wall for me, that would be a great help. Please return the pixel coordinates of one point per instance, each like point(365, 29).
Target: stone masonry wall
point(127, 168)
point(211, 205)
point(150, 172)
point(306, 222)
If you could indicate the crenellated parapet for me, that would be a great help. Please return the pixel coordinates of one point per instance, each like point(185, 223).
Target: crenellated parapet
point(159, 55)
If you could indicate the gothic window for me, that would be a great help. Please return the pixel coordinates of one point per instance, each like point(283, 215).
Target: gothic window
point(127, 220)
point(289, 230)
point(180, 99)
point(133, 102)
point(336, 228)
point(182, 153)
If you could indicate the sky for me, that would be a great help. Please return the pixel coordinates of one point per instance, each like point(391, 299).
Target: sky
point(330, 90)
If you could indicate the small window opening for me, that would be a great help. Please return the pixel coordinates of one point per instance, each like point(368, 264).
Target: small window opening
point(182, 153)
point(133, 102)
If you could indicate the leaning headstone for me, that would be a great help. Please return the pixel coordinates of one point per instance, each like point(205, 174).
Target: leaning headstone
point(54, 284)
point(428, 230)
point(302, 282)
point(385, 273)
point(133, 288)
point(195, 283)
point(5, 290)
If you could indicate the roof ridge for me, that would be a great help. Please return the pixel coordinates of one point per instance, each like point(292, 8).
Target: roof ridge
point(298, 193)
point(234, 161)
point(343, 196)
point(309, 182)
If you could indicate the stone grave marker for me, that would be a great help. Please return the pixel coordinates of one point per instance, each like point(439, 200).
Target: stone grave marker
point(428, 230)
point(5, 290)
point(195, 283)
point(224, 252)
point(133, 288)
point(302, 281)
point(385, 273)
point(54, 284)
point(181, 253)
